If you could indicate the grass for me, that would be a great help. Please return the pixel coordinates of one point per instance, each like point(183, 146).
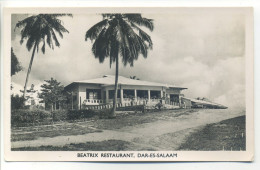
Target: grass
point(63, 129)
point(90, 125)
point(108, 145)
point(225, 135)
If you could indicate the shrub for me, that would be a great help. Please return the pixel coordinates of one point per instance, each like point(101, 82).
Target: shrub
point(59, 115)
point(17, 102)
point(104, 113)
point(131, 108)
point(25, 117)
point(81, 114)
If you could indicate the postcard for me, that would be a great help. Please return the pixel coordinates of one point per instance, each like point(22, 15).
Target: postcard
point(128, 84)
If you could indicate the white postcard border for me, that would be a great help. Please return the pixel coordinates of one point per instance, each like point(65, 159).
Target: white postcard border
point(247, 155)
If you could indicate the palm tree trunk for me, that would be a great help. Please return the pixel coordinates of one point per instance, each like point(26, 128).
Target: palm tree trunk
point(29, 70)
point(116, 87)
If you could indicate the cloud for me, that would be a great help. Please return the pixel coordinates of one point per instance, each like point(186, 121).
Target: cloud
point(204, 53)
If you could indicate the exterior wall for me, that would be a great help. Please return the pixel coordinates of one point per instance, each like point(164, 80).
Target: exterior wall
point(173, 91)
point(186, 103)
point(83, 92)
point(83, 87)
point(161, 89)
point(80, 91)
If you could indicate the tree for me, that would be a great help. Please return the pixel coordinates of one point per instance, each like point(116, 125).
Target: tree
point(120, 35)
point(40, 29)
point(52, 93)
point(15, 64)
point(134, 78)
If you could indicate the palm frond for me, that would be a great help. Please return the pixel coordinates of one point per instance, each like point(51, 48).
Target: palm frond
point(95, 30)
point(49, 39)
point(139, 20)
point(100, 46)
point(55, 38)
point(30, 42)
point(27, 21)
point(35, 28)
point(43, 47)
point(119, 34)
point(143, 35)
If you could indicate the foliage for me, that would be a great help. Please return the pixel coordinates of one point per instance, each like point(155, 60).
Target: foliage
point(21, 117)
point(134, 78)
point(17, 102)
point(42, 28)
point(59, 115)
point(39, 29)
point(120, 35)
point(15, 64)
point(132, 108)
point(226, 135)
point(81, 114)
point(28, 117)
point(52, 93)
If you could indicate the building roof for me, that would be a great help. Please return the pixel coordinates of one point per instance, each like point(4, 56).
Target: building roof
point(110, 80)
point(203, 102)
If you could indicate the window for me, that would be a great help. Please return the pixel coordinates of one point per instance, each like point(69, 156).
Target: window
point(93, 93)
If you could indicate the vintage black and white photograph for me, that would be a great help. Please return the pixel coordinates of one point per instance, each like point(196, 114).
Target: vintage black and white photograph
point(153, 82)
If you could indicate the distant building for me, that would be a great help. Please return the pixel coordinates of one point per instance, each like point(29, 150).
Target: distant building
point(100, 91)
point(200, 103)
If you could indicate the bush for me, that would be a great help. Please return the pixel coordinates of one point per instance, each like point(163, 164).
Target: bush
point(83, 114)
point(80, 114)
point(24, 117)
point(131, 108)
point(105, 113)
point(59, 115)
point(17, 102)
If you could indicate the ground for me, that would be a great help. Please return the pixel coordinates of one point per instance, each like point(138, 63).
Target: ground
point(184, 129)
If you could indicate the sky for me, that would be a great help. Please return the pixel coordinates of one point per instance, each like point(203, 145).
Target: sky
point(202, 52)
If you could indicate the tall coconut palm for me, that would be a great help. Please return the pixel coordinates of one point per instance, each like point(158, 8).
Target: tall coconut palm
point(39, 30)
point(120, 35)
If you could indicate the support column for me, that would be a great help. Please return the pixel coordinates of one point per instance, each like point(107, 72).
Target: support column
point(161, 93)
point(135, 95)
point(180, 100)
point(82, 97)
point(107, 96)
point(149, 95)
point(121, 96)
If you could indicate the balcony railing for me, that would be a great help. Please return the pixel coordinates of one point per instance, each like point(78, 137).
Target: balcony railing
point(127, 101)
point(93, 102)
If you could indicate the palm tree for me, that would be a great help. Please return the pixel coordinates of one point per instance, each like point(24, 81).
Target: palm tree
point(120, 35)
point(40, 29)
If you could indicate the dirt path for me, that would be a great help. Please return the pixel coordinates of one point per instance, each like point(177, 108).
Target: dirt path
point(157, 135)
